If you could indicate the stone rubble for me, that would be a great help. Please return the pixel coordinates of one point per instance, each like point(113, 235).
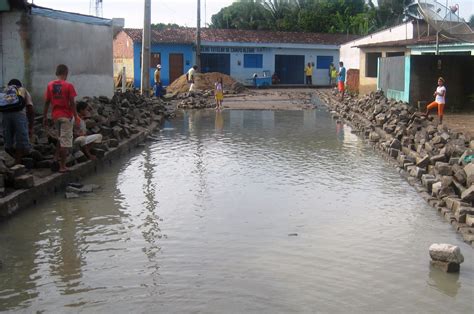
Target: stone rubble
point(116, 119)
point(437, 161)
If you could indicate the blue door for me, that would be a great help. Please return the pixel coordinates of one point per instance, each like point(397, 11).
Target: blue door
point(215, 62)
point(290, 69)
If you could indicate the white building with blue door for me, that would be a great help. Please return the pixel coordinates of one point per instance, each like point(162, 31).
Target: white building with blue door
point(238, 53)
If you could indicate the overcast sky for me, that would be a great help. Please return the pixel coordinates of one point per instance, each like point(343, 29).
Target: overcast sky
point(182, 12)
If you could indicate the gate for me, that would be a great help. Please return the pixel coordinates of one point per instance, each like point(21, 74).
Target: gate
point(392, 78)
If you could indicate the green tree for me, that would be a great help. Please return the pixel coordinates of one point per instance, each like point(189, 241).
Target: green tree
point(244, 14)
point(165, 26)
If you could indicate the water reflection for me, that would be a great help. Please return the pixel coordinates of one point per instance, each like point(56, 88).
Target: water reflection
point(199, 222)
point(446, 283)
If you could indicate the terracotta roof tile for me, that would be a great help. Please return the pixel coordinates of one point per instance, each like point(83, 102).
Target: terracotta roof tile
point(187, 36)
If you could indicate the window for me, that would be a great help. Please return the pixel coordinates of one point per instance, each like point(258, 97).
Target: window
point(395, 54)
point(323, 62)
point(253, 61)
point(155, 59)
point(371, 63)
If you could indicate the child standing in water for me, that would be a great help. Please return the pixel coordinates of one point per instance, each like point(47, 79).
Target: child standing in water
point(219, 93)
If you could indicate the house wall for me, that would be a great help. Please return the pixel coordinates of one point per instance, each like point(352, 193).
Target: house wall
point(369, 84)
point(320, 76)
point(34, 44)
point(123, 55)
point(237, 52)
point(351, 55)
point(165, 50)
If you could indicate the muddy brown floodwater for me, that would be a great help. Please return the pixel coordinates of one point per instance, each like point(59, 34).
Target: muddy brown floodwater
point(234, 212)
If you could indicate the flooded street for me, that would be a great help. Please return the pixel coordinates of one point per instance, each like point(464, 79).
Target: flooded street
point(233, 212)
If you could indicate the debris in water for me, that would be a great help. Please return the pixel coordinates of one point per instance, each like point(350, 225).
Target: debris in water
point(292, 234)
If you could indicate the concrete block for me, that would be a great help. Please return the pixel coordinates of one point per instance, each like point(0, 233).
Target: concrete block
point(468, 237)
point(446, 253)
point(437, 158)
point(443, 169)
point(447, 267)
point(423, 162)
point(18, 170)
point(461, 213)
point(468, 195)
point(470, 220)
point(393, 152)
point(24, 182)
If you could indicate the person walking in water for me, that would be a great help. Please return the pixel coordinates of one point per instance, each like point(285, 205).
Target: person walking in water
point(308, 70)
point(219, 93)
point(440, 100)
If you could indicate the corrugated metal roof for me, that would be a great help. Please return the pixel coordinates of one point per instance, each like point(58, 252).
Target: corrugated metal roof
point(187, 36)
point(69, 16)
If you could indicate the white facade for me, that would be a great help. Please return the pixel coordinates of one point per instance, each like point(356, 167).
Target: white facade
point(350, 55)
point(270, 50)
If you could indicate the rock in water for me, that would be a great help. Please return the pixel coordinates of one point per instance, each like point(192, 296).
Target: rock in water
point(447, 257)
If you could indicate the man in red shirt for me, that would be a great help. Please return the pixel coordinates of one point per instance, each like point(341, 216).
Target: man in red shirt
point(60, 94)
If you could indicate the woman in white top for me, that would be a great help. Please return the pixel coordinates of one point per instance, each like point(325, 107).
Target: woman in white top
point(440, 100)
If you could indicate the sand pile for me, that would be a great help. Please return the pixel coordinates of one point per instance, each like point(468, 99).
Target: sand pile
point(205, 81)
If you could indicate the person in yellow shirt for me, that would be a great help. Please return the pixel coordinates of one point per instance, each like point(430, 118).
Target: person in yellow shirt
point(332, 75)
point(308, 70)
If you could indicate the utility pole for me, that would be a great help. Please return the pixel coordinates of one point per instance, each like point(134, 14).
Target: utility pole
point(198, 36)
point(145, 77)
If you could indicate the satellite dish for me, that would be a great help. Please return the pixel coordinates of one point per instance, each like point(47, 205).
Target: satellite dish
point(445, 20)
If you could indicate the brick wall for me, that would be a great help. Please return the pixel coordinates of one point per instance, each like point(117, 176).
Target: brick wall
point(352, 80)
point(123, 55)
point(123, 46)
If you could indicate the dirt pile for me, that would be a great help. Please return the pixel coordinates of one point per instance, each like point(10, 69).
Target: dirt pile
point(205, 81)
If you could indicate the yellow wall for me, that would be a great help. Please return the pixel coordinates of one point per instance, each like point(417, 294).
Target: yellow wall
point(119, 63)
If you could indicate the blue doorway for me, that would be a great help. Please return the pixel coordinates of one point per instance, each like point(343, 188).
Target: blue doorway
point(290, 69)
point(215, 62)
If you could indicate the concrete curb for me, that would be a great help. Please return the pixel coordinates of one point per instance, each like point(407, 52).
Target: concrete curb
point(22, 199)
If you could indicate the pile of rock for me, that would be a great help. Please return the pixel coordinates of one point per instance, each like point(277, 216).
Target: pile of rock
point(205, 82)
point(446, 257)
point(431, 157)
point(116, 119)
point(195, 100)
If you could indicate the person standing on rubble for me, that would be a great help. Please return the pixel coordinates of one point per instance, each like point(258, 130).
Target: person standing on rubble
point(157, 76)
point(190, 77)
point(440, 100)
point(341, 79)
point(60, 95)
point(18, 124)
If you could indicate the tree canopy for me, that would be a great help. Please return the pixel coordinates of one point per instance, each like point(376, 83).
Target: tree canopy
point(327, 16)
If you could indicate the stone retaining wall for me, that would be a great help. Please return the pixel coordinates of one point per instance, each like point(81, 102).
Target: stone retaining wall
point(124, 121)
point(432, 158)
